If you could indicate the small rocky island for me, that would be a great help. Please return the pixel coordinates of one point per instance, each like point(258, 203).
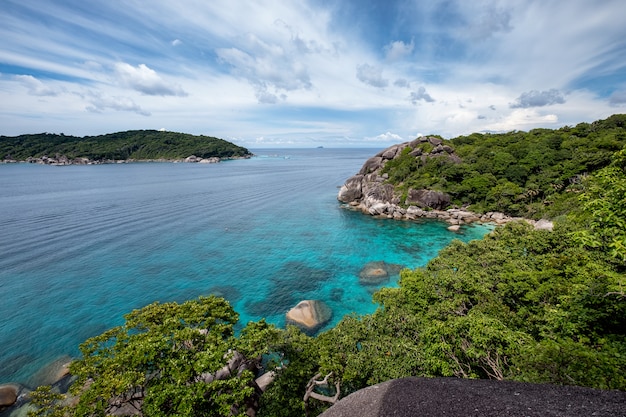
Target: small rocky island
point(370, 191)
point(120, 147)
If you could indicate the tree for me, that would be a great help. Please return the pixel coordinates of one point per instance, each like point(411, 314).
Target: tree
point(171, 360)
point(296, 359)
point(604, 206)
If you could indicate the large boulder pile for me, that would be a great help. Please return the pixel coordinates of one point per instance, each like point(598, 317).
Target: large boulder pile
point(369, 191)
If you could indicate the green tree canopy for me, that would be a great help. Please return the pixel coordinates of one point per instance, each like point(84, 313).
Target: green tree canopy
point(132, 144)
point(543, 167)
point(604, 210)
point(171, 359)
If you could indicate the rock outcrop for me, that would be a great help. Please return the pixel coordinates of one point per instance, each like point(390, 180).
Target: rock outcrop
point(454, 397)
point(428, 199)
point(8, 396)
point(196, 159)
point(370, 192)
point(309, 315)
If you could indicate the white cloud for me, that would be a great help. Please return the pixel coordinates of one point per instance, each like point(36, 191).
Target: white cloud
point(421, 94)
point(264, 96)
point(385, 137)
point(35, 87)
point(522, 119)
point(488, 19)
point(397, 50)
point(272, 68)
point(371, 75)
point(536, 98)
point(100, 102)
point(145, 80)
point(177, 42)
point(402, 83)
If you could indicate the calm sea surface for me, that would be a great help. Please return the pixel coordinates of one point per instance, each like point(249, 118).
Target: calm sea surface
point(80, 246)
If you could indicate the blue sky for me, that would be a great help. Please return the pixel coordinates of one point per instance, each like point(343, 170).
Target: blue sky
point(309, 73)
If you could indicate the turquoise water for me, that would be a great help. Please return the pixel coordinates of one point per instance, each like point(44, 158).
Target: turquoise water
point(83, 245)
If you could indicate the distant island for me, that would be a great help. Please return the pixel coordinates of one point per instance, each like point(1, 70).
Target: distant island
point(128, 146)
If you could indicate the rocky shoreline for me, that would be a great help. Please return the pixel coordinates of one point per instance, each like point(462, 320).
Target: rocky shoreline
point(62, 160)
point(369, 191)
point(454, 217)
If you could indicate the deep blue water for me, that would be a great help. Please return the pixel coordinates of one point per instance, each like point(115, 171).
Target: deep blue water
point(81, 246)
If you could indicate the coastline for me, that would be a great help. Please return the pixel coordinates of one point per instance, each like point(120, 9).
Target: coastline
point(65, 161)
point(371, 192)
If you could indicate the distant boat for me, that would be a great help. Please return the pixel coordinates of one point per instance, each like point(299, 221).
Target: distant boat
point(320, 147)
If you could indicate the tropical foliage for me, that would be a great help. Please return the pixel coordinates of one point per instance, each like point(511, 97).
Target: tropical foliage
point(531, 174)
point(169, 360)
point(132, 144)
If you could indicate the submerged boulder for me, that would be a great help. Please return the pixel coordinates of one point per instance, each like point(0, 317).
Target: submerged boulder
point(378, 272)
point(309, 314)
point(373, 273)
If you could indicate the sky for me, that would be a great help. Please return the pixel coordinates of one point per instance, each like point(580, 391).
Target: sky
point(343, 73)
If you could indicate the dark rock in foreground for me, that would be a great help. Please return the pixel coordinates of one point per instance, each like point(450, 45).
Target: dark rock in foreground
point(425, 397)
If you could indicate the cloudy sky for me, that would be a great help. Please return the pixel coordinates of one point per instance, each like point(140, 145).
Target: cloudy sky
point(265, 73)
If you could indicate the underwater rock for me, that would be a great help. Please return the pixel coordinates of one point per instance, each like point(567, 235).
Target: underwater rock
point(378, 272)
point(309, 314)
point(373, 273)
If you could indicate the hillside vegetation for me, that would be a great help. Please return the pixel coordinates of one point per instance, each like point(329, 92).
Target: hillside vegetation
point(530, 174)
point(521, 304)
point(132, 144)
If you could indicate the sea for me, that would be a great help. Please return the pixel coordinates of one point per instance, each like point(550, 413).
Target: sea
point(82, 245)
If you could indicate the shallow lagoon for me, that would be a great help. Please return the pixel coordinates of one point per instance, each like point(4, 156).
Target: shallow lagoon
point(83, 245)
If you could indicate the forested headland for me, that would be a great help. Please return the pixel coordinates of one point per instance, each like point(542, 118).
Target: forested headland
point(521, 304)
point(120, 146)
point(530, 174)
